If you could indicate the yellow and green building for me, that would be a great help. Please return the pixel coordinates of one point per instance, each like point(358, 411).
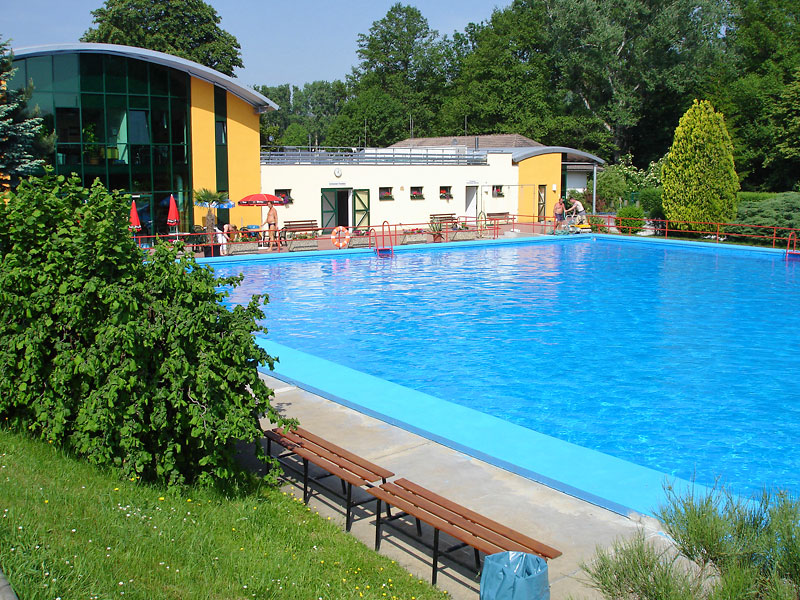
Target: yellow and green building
point(149, 124)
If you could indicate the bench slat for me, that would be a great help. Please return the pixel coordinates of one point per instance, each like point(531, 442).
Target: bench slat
point(332, 453)
point(412, 509)
point(484, 523)
point(354, 458)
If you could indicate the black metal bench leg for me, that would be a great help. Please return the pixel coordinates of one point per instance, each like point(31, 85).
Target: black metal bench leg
point(305, 481)
point(343, 484)
point(435, 555)
point(477, 560)
point(419, 528)
point(348, 520)
point(378, 527)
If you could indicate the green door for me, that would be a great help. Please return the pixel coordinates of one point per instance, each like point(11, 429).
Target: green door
point(328, 212)
point(361, 209)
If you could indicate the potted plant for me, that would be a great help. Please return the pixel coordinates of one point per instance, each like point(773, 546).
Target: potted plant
point(91, 146)
point(435, 229)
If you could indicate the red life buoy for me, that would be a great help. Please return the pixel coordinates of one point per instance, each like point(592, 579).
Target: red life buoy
point(340, 237)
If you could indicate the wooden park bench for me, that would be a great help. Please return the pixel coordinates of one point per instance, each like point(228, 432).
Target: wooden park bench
point(497, 217)
point(348, 467)
point(291, 227)
point(443, 218)
point(466, 526)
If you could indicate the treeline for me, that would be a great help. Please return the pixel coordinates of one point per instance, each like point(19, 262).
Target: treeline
point(612, 77)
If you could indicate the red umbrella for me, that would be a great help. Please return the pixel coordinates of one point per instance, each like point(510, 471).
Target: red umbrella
point(172, 215)
point(135, 223)
point(261, 200)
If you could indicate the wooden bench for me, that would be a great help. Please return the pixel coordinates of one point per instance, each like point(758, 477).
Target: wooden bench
point(466, 526)
point(348, 467)
point(292, 227)
point(443, 218)
point(498, 216)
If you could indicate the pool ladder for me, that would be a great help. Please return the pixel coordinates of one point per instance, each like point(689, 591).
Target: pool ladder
point(792, 242)
point(384, 249)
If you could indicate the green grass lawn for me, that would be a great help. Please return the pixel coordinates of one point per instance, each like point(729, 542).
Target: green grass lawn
point(68, 530)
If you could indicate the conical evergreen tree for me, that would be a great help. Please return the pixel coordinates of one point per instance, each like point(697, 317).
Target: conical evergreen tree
point(699, 176)
point(18, 130)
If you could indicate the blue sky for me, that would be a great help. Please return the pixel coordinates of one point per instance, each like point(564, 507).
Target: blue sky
point(282, 42)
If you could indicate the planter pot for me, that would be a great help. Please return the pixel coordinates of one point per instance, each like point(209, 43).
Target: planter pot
point(437, 237)
point(301, 245)
point(359, 242)
point(413, 238)
point(462, 235)
point(243, 247)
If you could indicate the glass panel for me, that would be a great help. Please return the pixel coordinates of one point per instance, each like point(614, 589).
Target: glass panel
point(91, 72)
point(139, 102)
point(138, 127)
point(162, 179)
point(220, 104)
point(116, 75)
point(66, 73)
point(180, 177)
point(68, 125)
point(222, 169)
point(179, 121)
point(119, 178)
point(221, 133)
point(117, 127)
point(160, 114)
point(179, 155)
point(93, 127)
point(66, 100)
point(40, 70)
point(179, 83)
point(140, 168)
point(159, 80)
point(44, 101)
point(19, 79)
point(137, 76)
point(68, 158)
point(92, 171)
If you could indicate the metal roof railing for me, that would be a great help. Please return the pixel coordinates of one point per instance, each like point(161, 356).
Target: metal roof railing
point(372, 156)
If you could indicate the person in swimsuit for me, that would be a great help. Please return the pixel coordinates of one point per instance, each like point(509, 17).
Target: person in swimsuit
point(558, 214)
point(271, 225)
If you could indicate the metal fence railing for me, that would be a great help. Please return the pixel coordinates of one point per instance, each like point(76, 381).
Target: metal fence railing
point(372, 156)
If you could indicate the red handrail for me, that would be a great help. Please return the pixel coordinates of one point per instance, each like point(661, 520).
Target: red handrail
point(793, 241)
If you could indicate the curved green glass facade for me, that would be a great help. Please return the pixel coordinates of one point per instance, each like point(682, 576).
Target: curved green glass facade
point(120, 120)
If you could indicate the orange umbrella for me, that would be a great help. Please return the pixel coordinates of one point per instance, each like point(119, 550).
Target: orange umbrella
point(135, 223)
point(172, 215)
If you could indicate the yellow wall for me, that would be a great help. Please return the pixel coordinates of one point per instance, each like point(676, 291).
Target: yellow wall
point(544, 169)
point(244, 160)
point(204, 163)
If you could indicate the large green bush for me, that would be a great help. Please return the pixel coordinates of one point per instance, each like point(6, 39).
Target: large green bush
point(699, 177)
point(781, 210)
point(630, 219)
point(650, 200)
point(130, 363)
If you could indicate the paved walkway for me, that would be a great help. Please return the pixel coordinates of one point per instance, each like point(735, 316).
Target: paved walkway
point(566, 523)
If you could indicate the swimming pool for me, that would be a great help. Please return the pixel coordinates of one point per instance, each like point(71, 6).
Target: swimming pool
point(680, 359)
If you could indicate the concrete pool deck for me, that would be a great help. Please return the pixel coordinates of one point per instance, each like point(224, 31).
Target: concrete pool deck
point(573, 526)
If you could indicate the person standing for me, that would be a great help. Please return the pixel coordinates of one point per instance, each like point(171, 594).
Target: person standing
point(577, 208)
point(271, 224)
point(558, 214)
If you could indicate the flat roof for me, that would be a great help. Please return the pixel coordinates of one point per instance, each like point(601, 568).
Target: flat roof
point(258, 101)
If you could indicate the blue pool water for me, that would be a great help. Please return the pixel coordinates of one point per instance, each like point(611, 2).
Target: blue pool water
point(684, 360)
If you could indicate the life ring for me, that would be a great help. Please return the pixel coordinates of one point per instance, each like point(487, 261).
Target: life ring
point(340, 237)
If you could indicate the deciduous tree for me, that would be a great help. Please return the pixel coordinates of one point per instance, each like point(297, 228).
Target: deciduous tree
point(186, 28)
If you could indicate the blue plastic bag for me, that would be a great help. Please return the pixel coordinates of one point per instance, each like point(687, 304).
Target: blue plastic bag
point(514, 576)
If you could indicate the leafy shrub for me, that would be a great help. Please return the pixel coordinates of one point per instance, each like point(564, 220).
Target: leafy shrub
point(612, 188)
point(750, 547)
point(755, 196)
point(630, 219)
point(133, 364)
point(781, 210)
point(598, 225)
point(650, 200)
